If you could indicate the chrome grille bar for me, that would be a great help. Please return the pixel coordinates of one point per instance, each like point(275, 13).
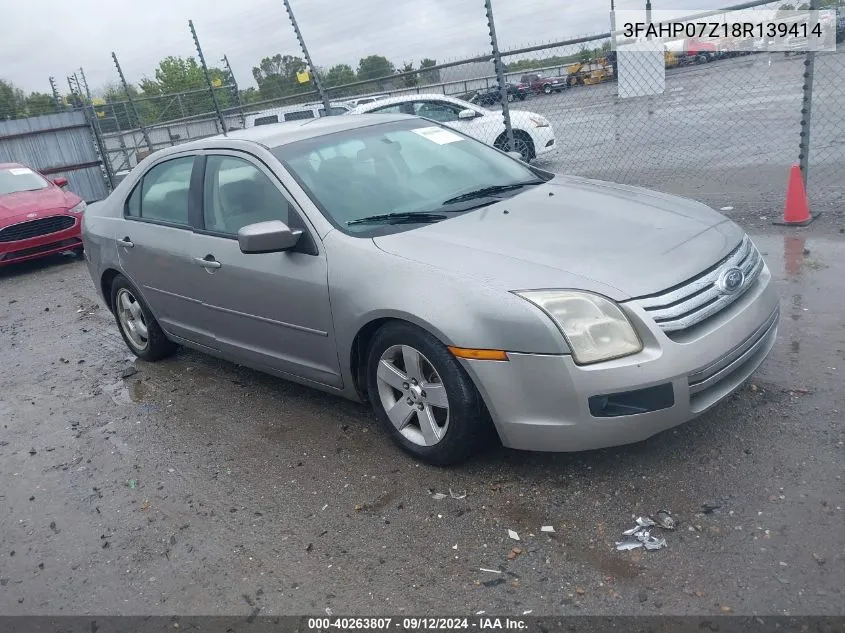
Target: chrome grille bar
point(699, 298)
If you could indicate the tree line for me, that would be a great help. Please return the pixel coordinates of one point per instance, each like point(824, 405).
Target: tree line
point(178, 89)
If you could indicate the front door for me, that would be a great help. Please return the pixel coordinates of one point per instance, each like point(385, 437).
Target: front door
point(272, 308)
point(153, 247)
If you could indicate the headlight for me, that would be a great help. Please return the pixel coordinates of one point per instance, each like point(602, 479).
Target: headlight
point(80, 208)
point(595, 328)
point(539, 121)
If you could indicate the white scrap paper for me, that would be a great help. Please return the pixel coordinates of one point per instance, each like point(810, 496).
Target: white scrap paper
point(438, 135)
point(513, 535)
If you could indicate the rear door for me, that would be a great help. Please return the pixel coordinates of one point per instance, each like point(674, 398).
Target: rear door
point(154, 246)
point(272, 308)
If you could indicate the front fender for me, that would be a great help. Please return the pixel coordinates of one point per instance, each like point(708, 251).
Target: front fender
point(367, 284)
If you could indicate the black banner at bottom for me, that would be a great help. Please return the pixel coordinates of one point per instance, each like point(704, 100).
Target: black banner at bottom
point(255, 623)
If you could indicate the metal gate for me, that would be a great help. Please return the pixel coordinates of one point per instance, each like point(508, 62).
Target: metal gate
point(60, 144)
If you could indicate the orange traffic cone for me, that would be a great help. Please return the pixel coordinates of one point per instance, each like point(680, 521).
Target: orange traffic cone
point(796, 211)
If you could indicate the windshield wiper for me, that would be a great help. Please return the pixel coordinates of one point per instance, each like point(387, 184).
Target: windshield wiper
point(399, 218)
point(492, 190)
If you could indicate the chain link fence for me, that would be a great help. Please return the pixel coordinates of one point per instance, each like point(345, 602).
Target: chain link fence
point(723, 127)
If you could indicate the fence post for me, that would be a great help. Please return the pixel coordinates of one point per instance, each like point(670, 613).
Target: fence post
point(225, 60)
point(807, 108)
point(56, 100)
point(500, 76)
point(90, 118)
point(208, 78)
point(317, 81)
point(132, 103)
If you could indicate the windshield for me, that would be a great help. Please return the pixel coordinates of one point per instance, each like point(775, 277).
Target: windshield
point(398, 167)
point(15, 179)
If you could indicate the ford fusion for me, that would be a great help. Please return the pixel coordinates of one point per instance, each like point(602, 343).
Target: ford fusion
point(460, 292)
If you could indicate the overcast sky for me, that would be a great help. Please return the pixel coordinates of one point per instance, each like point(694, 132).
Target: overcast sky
point(40, 38)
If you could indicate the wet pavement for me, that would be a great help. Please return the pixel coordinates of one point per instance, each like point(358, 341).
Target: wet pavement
point(194, 486)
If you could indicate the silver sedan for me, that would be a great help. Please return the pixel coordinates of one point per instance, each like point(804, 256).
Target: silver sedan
point(461, 292)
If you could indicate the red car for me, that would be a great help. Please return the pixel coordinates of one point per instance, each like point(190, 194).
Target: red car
point(37, 216)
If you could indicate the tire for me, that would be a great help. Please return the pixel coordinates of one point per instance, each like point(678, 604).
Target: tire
point(547, 89)
point(132, 309)
point(455, 433)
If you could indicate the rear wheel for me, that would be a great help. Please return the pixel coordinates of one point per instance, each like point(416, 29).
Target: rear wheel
point(423, 398)
point(138, 327)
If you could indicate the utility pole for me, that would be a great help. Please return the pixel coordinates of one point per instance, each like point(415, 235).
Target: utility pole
point(208, 78)
point(317, 81)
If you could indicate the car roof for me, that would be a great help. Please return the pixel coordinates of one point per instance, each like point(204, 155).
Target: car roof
point(286, 132)
point(364, 107)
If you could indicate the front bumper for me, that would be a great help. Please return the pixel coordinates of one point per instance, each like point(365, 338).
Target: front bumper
point(544, 139)
point(42, 245)
point(548, 403)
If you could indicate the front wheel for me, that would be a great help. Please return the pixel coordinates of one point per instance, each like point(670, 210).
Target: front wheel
point(423, 397)
point(547, 89)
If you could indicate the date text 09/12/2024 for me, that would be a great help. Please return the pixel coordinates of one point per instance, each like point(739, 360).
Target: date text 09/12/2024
point(480, 623)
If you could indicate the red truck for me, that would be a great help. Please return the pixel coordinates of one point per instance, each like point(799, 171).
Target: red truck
point(543, 83)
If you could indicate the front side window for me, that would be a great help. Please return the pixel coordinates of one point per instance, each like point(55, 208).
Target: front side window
point(437, 110)
point(17, 179)
point(398, 167)
point(237, 193)
point(162, 195)
point(396, 108)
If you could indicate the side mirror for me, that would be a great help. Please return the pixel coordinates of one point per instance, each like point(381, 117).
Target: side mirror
point(515, 155)
point(467, 114)
point(273, 236)
point(60, 182)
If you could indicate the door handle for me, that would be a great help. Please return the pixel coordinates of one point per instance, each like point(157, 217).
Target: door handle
point(207, 263)
point(125, 242)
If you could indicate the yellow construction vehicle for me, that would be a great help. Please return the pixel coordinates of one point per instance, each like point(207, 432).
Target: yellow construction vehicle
point(590, 73)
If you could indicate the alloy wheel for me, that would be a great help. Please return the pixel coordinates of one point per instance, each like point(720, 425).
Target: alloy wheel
point(131, 318)
point(413, 395)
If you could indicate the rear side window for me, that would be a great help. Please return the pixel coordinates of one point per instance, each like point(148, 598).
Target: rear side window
point(301, 114)
point(162, 194)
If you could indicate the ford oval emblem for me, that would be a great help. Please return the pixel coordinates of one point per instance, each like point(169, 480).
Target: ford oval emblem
point(730, 280)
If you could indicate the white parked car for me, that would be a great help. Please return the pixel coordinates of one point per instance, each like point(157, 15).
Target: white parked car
point(533, 134)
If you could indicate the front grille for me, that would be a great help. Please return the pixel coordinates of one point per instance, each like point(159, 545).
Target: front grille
point(34, 228)
point(699, 298)
point(25, 252)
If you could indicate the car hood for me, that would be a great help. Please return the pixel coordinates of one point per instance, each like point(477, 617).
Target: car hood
point(576, 233)
point(21, 203)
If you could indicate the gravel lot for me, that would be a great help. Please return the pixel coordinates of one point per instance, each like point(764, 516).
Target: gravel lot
point(194, 486)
